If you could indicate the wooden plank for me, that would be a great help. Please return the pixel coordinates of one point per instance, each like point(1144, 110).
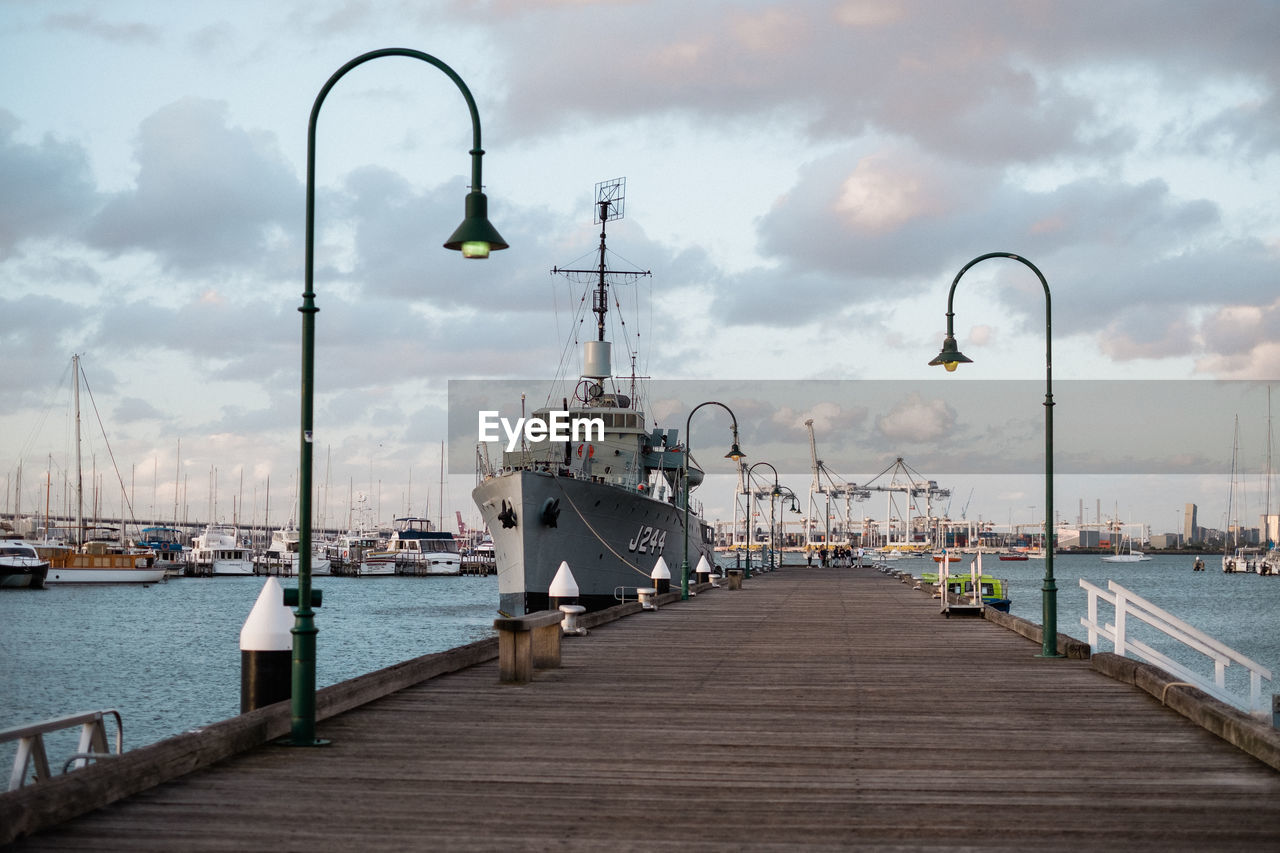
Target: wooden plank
point(812, 708)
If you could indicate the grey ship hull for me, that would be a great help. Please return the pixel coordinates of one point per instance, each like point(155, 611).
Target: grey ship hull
point(611, 537)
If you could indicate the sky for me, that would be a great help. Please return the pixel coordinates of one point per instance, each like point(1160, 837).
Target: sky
point(803, 179)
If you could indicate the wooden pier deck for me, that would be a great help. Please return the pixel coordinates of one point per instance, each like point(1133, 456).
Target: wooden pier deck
point(814, 709)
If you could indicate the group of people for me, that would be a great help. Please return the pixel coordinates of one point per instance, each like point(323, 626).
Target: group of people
point(837, 557)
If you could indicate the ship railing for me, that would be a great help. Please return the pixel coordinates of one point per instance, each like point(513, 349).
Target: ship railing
point(32, 754)
point(1130, 605)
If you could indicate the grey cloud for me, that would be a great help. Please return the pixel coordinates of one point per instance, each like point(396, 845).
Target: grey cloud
point(989, 82)
point(208, 195)
point(47, 188)
point(96, 26)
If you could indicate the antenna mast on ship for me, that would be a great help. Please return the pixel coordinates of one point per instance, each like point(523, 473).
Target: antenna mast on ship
point(610, 203)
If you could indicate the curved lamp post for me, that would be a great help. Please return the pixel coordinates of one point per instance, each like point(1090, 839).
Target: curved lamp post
point(750, 531)
point(734, 453)
point(784, 492)
point(475, 238)
point(950, 357)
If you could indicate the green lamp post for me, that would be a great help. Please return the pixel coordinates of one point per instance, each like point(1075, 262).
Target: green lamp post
point(784, 492)
point(750, 468)
point(475, 238)
point(950, 357)
point(734, 453)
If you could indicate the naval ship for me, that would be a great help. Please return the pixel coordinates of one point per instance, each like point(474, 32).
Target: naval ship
point(609, 505)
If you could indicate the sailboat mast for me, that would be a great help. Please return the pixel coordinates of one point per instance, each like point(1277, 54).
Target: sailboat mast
point(75, 369)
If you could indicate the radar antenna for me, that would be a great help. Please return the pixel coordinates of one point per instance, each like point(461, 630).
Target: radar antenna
point(610, 203)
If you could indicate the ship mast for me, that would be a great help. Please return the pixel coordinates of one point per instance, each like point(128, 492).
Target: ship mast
point(610, 198)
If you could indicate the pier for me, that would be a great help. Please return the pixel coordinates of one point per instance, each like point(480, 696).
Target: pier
point(810, 709)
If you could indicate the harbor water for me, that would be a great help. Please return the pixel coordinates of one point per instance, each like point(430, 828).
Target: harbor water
point(167, 655)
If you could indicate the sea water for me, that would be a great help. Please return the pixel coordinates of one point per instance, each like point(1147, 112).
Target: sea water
point(167, 655)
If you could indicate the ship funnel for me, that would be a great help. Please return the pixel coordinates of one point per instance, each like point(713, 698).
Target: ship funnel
point(597, 359)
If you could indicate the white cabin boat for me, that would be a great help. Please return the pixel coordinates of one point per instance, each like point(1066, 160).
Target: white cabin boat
point(415, 549)
point(219, 551)
point(283, 555)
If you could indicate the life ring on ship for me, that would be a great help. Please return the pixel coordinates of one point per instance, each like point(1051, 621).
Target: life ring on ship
point(591, 450)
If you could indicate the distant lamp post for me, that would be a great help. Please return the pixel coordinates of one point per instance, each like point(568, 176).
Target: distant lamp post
point(475, 238)
point(788, 494)
point(750, 529)
point(735, 453)
point(950, 357)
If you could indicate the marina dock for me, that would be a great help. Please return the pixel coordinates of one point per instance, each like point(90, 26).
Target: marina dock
point(810, 709)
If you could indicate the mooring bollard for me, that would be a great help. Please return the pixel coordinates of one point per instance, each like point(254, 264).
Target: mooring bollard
point(564, 588)
point(569, 626)
point(266, 650)
point(646, 596)
point(661, 576)
point(735, 579)
point(704, 570)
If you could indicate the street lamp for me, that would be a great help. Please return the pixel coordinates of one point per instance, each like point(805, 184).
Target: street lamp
point(750, 530)
point(475, 238)
point(950, 357)
point(784, 492)
point(734, 453)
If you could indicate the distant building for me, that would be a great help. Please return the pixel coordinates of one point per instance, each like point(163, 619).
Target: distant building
point(1189, 530)
point(1269, 525)
point(1165, 540)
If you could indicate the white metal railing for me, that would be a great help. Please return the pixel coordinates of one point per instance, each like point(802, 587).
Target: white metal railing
point(1128, 604)
point(31, 750)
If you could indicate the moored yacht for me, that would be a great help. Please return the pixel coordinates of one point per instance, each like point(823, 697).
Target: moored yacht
point(21, 567)
point(219, 551)
point(415, 549)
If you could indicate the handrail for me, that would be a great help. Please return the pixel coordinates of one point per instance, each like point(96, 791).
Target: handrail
point(30, 738)
point(1128, 604)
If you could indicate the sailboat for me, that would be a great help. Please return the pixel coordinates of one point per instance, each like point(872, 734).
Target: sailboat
point(1130, 556)
point(1236, 558)
point(97, 560)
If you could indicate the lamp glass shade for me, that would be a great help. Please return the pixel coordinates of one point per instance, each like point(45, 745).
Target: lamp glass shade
point(950, 357)
point(476, 237)
point(734, 453)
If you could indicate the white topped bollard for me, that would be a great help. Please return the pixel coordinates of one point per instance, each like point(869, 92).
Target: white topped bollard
point(564, 588)
point(563, 596)
point(266, 650)
point(645, 594)
point(703, 571)
point(661, 577)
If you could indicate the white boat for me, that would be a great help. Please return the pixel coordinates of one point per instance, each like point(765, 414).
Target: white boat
point(96, 561)
point(348, 553)
point(219, 551)
point(100, 562)
point(283, 556)
point(21, 567)
point(415, 549)
point(351, 551)
point(1130, 556)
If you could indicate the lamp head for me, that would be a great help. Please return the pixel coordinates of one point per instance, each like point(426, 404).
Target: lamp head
point(950, 357)
point(735, 453)
point(476, 237)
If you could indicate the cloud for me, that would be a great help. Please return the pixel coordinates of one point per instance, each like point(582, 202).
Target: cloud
point(47, 188)
point(209, 196)
point(96, 27)
point(915, 420)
